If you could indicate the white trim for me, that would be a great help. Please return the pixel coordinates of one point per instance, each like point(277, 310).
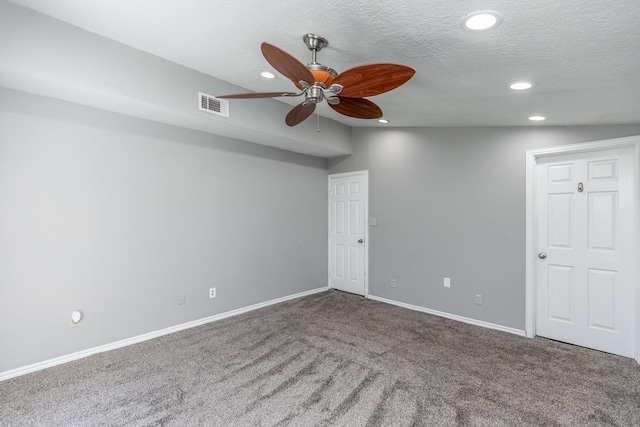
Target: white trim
point(532, 156)
point(366, 225)
point(462, 319)
point(346, 174)
point(529, 322)
point(144, 337)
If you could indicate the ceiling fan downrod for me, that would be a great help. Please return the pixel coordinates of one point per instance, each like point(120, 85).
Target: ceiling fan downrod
point(315, 45)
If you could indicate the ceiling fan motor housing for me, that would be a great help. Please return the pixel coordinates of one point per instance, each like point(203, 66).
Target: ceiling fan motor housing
point(314, 94)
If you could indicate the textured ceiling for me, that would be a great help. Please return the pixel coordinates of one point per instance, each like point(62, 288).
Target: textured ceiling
point(583, 55)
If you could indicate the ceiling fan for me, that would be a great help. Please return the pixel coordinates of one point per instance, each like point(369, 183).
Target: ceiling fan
point(345, 92)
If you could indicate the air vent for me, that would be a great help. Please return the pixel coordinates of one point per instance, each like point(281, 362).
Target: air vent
point(213, 105)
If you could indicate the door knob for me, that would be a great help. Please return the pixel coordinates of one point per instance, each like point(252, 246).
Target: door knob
point(542, 255)
point(360, 241)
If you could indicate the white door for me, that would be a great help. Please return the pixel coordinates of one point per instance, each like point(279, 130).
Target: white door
point(585, 274)
point(347, 229)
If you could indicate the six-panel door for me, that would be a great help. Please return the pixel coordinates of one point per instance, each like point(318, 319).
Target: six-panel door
point(584, 285)
point(347, 197)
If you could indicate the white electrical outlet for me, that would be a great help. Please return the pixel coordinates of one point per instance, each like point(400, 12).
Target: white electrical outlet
point(393, 283)
point(181, 299)
point(478, 299)
point(212, 292)
point(447, 282)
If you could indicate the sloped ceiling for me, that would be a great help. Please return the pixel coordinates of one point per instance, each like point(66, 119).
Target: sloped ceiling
point(584, 56)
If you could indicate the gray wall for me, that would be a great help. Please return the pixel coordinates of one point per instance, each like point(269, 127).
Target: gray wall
point(451, 203)
point(118, 216)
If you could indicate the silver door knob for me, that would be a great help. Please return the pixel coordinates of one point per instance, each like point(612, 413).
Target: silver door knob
point(542, 255)
point(360, 241)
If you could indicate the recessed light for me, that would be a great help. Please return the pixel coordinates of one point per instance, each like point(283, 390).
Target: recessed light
point(521, 85)
point(383, 121)
point(268, 75)
point(537, 118)
point(482, 20)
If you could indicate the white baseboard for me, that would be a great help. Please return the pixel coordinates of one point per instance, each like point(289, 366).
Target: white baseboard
point(144, 337)
point(451, 316)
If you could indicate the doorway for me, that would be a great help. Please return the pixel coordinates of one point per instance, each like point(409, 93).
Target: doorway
point(582, 245)
point(348, 232)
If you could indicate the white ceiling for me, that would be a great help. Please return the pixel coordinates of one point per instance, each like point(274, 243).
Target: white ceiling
point(583, 55)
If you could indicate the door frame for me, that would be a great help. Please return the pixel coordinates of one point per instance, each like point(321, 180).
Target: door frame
point(532, 157)
point(365, 173)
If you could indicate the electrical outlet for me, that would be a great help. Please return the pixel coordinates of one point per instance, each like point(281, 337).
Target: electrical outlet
point(181, 299)
point(212, 292)
point(393, 283)
point(479, 299)
point(447, 282)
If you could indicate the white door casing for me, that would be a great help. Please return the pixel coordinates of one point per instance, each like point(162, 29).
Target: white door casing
point(348, 232)
point(586, 291)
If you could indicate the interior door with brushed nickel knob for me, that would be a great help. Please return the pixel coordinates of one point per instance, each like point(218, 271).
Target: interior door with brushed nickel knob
point(584, 274)
point(347, 229)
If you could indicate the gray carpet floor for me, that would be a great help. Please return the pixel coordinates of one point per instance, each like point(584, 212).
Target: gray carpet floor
point(332, 359)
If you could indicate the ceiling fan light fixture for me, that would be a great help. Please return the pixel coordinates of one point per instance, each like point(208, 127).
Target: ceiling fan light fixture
point(482, 20)
point(321, 74)
point(268, 75)
point(521, 85)
point(537, 118)
point(385, 121)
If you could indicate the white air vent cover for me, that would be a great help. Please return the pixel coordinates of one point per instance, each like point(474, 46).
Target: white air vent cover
point(213, 105)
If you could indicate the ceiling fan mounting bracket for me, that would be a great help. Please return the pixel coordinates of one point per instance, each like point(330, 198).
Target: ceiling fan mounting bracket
point(315, 43)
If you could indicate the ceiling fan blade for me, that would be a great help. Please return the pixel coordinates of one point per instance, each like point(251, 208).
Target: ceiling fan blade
point(359, 108)
point(300, 113)
point(373, 79)
point(256, 95)
point(286, 64)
